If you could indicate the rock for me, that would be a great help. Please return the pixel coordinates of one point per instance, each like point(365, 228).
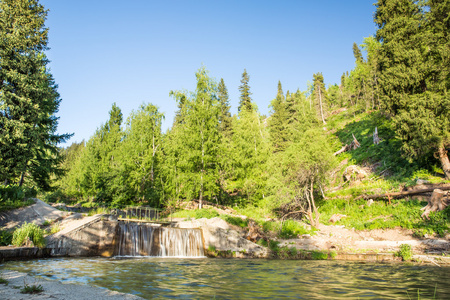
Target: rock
point(421, 181)
point(73, 217)
point(336, 217)
point(354, 172)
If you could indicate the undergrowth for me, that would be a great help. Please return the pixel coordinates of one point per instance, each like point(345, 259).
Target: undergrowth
point(382, 215)
point(28, 232)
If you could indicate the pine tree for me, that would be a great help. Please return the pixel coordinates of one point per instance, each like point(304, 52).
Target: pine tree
point(28, 95)
point(225, 120)
point(413, 69)
point(278, 122)
point(245, 101)
point(357, 53)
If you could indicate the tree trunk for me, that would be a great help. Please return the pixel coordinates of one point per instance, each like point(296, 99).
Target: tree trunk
point(435, 203)
point(321, 108)
point(443, 157)
point(22, 178)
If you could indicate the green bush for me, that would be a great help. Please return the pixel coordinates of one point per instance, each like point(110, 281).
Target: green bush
point(32, 289)
point(29, 231)
point(319, 255)
point(208, 213)
point(13, 196)
point(405, 252)
point(5, 238)
point(292, 229)
point(235, 221)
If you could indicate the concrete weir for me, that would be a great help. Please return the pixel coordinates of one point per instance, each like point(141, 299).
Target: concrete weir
point(92, 237)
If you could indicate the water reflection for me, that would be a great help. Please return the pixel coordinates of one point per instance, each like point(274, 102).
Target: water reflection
point(245, 279)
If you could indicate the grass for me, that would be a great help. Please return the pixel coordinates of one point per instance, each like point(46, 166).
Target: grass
point(28, 232)
point(3, 281)
point(382, 215)
point(32, 289)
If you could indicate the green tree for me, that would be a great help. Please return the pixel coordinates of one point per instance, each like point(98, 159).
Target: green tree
point(278, 121)
point(245, 101)
point(319, 94)
point(225, 119)
point(413, 74)
point(28, 96)
point(357, 53)
point(139, 175)
point(197, 141)
point(251, 150)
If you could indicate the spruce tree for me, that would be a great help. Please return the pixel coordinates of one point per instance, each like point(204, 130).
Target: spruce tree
point(245, 101)
point(278, 122)
point(413, 69)
point(357, 53)
point(28, 95)
point(225, 120)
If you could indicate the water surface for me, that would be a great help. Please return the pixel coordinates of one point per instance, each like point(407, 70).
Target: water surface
point(162, 278)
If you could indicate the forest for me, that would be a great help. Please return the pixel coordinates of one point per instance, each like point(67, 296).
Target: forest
point(283, 163)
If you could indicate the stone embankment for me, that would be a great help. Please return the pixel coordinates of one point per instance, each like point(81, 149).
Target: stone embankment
point(218, 235)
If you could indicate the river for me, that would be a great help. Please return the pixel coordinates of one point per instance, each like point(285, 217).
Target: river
point(205, 278)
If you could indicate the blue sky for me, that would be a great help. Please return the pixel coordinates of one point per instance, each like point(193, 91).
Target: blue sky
point(137, 51)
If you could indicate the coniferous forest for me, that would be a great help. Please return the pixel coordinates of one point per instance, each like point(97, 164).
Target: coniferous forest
point(281, 164)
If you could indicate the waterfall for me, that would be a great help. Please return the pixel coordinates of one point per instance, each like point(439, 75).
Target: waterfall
point(143, 239)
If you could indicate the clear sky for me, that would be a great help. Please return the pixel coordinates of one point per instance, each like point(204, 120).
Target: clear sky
point(137, 51)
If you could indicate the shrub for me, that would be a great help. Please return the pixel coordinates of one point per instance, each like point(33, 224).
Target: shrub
point(5, 238)
point(28, 231)
point(32, 289)
point(319, 255)
point(405, 252)
point(208, 213)
point(235, 221)
point(292, 229)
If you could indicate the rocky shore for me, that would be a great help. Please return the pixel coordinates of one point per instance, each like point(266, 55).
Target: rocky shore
point(53, 289)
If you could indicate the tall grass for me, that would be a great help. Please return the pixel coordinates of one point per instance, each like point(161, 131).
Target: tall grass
point(29, 232)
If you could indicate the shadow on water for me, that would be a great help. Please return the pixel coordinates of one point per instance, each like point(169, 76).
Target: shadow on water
point(162, 278)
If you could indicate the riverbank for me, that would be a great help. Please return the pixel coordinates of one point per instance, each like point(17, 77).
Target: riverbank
point(53, 289)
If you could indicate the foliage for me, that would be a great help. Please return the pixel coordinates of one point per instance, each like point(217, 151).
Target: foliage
point(5, 237)
point(31, 232)
point(14, 196)
point(235, 220)
point(28, 97)
point(3, 281)
point(32, 289)
point(292, 229)
point(405, 252)
point(381, 215)
point(192, 148)
point(245, 102)
point(319, 255)
point(413, 73)
point(208, 213)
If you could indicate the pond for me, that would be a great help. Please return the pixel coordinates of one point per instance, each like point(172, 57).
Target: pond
point(161, 278)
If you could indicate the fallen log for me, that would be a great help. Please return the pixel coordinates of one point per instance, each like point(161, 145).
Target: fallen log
point(353, 145)
point(405, 193)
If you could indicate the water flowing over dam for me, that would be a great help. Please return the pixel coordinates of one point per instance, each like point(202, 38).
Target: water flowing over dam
point(143, 239)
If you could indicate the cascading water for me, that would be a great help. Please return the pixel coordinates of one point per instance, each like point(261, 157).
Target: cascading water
point(140, 239)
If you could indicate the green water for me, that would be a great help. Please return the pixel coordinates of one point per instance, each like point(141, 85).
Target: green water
point(158, 278)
